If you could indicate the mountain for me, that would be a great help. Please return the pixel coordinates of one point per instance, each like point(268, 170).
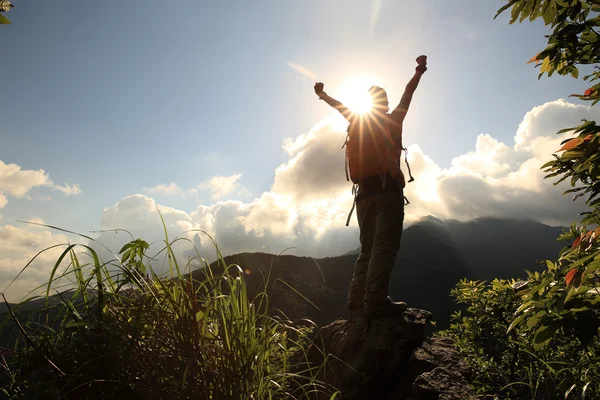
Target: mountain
point(434, 255)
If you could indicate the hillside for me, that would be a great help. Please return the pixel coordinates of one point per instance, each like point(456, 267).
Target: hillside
point(433, 257)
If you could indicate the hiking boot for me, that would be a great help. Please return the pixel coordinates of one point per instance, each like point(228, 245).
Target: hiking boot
point(355, 310)
point(383, 309)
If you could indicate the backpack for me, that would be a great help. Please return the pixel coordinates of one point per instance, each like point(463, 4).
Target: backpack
point(372, 150)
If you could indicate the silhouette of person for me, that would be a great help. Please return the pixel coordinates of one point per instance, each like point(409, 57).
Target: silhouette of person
point(379, 202)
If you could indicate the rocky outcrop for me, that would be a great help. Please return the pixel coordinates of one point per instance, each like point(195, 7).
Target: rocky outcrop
point(391, 358)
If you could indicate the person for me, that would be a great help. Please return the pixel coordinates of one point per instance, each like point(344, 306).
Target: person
point(379, 198)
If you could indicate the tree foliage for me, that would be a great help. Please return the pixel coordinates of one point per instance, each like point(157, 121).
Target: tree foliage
point(566, 295)
point(539, 338)
point(574, 38)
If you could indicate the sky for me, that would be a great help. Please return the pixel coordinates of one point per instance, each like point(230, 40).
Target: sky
point(206, 112)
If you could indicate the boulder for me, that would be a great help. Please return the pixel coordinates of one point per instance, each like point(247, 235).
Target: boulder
point(390, 358)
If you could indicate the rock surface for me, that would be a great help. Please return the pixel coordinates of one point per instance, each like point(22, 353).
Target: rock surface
point(390, 358)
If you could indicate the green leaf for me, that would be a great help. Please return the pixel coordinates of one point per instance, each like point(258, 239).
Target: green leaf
point(504, 8)
point(593, 266)
point(584, 259)
point(574, 72)
point(525, 305)
point(565, 130)
point(584, 390)
point(551, 266)
point(536, 12)
point(128, 245)
point(516, 11)
point(579, 309)
point(568, 392)
point(549, 12)
point(4, 20)
point(545, 333)
point(527, 10)
point(570, 294)
point(531, 322)
point(561, 301)
point(516, 322)
point(75, 324)
point(572, 154)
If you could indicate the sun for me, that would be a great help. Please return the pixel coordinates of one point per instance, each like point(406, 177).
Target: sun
point(354, 93)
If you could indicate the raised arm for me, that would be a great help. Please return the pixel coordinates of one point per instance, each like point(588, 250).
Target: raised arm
point(399, 112)
point(332, 102)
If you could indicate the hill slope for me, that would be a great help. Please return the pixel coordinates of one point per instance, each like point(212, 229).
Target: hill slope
point(433, 257)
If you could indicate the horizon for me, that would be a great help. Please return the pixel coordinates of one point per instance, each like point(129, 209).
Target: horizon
point(208, 114)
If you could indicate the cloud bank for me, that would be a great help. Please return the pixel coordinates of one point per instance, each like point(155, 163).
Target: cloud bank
point(309, 199)
point(19, 245)
point(17, 182)
point(217, 186)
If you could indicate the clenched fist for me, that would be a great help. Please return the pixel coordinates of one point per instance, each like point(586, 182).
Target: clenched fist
point(319, 88)
point(422, 61)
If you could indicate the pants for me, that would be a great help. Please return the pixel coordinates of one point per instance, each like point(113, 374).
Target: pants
point(380, 220)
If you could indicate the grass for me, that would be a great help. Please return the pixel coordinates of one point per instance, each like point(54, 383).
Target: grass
point(126, 331)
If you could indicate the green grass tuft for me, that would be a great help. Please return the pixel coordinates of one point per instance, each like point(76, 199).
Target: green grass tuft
point(124, 331)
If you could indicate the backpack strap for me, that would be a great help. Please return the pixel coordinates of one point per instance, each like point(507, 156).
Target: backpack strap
point(407, 164)
point(354, 189)
point(346, 162)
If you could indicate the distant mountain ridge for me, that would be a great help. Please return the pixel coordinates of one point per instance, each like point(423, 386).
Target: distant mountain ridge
point(434, 255)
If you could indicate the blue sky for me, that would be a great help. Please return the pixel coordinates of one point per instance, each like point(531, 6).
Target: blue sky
point(122, 97)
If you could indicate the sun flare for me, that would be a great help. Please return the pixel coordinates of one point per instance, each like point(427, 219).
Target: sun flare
point(354, 93)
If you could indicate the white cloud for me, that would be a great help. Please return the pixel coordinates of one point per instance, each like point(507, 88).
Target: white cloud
point(220, 186)
point(170, 189)
point(68, 190)
point(134, 210)
point(36, 220)
point(315, 170)
point(503, 181)
point(217, 186)
point(17, 182)
point(18, 245)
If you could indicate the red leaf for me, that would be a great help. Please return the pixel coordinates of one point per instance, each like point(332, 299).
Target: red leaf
point(589, 92)
point(571, 144)
point(534, 59)
point(576, 242)
point(573, 277)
